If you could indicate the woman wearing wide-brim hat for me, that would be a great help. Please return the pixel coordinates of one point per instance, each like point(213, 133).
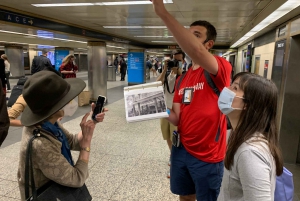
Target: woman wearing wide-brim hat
point(46, 95)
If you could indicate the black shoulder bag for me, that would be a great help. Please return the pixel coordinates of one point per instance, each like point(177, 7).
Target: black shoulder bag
point(51, 191)
point(212, 85)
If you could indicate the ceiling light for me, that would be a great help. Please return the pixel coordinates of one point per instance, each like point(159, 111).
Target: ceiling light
point(122, 27)
point(138, 27)
point(115, 46)
point(117, 3)
point(277, 14)
point(153, 36)
point(163, 42)
point(62, 4)
point(46, 37)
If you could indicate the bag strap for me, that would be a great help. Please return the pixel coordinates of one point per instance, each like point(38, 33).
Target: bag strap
point(29, 166)
point(217, 91)
point(211, 83)
point(180, 80)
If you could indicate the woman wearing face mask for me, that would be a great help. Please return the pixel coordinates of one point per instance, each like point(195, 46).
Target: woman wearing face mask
point(253, 158)
point(48, 96)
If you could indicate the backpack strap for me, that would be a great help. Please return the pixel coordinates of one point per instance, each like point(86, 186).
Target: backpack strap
point(217, 91)
point(211, 83)
point(180, 80)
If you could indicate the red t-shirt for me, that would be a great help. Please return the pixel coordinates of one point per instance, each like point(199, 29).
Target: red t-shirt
point(199, 121)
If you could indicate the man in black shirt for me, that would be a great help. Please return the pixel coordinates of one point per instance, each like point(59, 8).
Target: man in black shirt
point(41, 62)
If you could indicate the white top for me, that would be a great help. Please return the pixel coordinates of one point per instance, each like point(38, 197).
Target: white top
point(169, 97)
point(253, 174)
point(7, 66)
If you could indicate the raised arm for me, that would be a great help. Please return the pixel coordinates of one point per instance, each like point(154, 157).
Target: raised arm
point(192, 41)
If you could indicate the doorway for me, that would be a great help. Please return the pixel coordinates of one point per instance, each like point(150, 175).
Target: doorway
point(289, 130)
point(256, 65)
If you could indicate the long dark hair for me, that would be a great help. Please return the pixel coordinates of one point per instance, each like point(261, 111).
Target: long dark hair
point(259, 116)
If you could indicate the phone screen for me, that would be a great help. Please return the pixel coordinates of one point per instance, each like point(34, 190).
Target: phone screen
point(99, 106)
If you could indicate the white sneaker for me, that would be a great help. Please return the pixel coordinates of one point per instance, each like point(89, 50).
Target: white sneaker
point(168, 175)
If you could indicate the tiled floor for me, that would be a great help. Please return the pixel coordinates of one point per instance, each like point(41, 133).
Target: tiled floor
point(128, 161)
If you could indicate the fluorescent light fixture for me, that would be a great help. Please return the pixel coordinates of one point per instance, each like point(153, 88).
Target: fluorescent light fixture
point(137, 27)
point(62, 4)
point(153, 36)
point(277, 14)
point(119, 3)
point(163, 42)
point(116, 3)
point(46, 37)
point(115, 47)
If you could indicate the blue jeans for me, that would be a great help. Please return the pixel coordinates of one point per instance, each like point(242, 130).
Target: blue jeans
point(190, 175)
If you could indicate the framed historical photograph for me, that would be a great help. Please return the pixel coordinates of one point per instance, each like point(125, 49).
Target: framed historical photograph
point(145, 102)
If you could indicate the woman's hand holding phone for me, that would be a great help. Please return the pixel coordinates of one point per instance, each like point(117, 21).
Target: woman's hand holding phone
point(99, 117)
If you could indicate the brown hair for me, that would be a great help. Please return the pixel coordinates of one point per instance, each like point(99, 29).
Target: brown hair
point(4, 56)
point(211, 30)
point(259, 116)
point(67, 59)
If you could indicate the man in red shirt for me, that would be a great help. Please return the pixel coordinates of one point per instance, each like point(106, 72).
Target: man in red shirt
point(197, 163)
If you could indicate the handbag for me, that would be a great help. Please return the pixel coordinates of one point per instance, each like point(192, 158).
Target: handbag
point(284, 190)
point(51, 191)
point(84, 98)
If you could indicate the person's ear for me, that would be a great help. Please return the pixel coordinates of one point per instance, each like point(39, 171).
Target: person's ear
point(209, 44)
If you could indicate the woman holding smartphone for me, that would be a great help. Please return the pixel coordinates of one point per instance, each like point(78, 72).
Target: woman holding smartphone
point(253, 157)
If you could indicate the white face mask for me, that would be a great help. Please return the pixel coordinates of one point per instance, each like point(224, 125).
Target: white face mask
point(225, 101)
point(180, 64)
point(70, 108)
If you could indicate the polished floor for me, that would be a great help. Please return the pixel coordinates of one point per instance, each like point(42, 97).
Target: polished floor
point(128, 161)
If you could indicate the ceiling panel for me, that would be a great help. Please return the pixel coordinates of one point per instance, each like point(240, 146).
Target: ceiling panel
point(228, 16)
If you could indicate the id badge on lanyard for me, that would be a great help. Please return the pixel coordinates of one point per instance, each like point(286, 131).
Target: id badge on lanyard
point(187, 96)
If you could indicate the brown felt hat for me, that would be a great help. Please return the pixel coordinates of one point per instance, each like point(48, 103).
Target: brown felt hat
point(46, 93)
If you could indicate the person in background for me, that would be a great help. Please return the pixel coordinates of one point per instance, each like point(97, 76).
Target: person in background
point(179, 55)
point(116, 63)
point(7, 71)
point(168, 80)
point(123, 69)
point(2, 75)
point(4, 120)
point(55, 150)
point(253, 157)
point(153, 68)
point(68, 69)
point(40, 62)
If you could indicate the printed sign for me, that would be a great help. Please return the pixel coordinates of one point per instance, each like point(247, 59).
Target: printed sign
point(136, 62)
point(59, 57)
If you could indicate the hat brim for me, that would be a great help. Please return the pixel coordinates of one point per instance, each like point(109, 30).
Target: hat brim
point(29, 118)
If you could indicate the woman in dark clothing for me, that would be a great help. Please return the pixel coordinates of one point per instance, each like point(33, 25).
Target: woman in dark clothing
point(2, 75)
point(123, 69)
point(68, 69)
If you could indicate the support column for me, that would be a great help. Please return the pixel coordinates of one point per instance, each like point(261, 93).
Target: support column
point(16, 59)
point(60, 53)
point(136, 67)
point(97, 69)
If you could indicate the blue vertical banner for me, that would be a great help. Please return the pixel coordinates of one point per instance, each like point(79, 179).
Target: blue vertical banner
point(59, 57)
point(136, 62)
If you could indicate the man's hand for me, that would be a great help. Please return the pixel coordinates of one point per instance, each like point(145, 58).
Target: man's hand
point(159, 7)
point(175, 70)
point(165, 67)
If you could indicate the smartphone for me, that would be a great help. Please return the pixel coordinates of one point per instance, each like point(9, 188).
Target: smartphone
point(99, 106)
